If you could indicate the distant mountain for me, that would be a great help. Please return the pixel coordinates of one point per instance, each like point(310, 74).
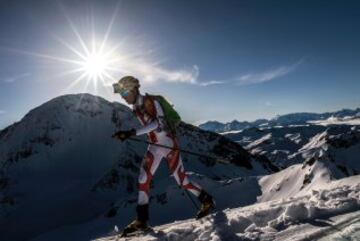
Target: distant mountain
point(59, 166)
point(337, 145)
point(281, 120)
point(234, 125)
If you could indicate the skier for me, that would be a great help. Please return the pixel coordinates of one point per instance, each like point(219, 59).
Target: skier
point(151, 112)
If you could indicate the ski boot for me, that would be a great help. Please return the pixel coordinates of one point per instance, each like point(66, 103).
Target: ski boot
point(140, 224)
point(207, 204)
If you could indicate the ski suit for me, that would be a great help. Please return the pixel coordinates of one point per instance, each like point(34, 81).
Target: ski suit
point(150, 114)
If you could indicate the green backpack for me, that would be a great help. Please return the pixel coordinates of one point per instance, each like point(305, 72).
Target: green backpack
point(172, 118)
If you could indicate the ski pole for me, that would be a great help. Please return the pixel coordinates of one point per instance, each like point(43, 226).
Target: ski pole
point(192, 200)
point(188, 152)
point(181, 150)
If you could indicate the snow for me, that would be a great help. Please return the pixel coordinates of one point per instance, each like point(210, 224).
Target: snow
point(264, 139)
point(293, 181)
point(347, 120)
point(318, 141)
point(230, 132)
point(332, 211)
point(296, 137)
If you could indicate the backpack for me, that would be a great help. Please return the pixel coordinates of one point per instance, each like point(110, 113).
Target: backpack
point(172, 118)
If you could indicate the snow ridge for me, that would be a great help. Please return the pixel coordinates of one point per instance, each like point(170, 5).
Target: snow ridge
point(283, 219)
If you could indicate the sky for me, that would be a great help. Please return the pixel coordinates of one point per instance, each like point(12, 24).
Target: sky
point(215, 60)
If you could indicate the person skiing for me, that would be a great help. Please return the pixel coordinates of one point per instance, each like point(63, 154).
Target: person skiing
point(151, 113)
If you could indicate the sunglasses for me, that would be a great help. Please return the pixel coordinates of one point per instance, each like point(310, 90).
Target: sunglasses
point(121, 91)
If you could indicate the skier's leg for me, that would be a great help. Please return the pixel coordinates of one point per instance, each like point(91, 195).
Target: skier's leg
point(149, 165)
point(177, 170)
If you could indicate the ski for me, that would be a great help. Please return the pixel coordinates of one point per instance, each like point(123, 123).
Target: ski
point(125, 234)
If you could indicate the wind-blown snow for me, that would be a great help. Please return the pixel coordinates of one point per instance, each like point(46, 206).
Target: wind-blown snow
point(315, 215)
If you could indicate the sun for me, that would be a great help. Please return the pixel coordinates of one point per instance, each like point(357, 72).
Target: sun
point(94, 59)
point(95, 62)
point(95, 65)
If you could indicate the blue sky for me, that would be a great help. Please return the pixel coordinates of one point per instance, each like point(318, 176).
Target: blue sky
point(215, 60)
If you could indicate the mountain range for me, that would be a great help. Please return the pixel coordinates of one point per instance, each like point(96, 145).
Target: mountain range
point(301, 118)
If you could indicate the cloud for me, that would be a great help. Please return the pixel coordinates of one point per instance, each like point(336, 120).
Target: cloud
point(256, 78)
point(151, 73)
point(185, 75)
point(14, 78)
point(156, 73)
point(212, 82)
point(2, 112)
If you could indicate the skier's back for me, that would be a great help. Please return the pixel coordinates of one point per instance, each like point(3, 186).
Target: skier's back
point(151, 115)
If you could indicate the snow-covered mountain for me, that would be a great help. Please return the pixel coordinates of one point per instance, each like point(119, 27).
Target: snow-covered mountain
point(339, 145)
point(62, 177)
point(342, 117)
point(60, 167)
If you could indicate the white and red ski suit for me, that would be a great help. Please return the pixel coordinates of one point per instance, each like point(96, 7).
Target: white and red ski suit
point(149, 112)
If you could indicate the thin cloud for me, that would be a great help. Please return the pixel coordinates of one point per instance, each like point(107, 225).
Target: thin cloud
point(2, 112)
point(152, 71)
point(12, 79)
point(212, 82)
point(256, 78)
point(186, 75)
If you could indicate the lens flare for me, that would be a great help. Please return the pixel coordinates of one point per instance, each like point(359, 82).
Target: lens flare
point(95, 65)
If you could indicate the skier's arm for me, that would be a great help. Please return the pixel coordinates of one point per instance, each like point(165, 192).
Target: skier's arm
point(157, 120)
point(147, 128)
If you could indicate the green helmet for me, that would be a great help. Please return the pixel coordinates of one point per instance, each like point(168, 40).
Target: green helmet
point(126, 83)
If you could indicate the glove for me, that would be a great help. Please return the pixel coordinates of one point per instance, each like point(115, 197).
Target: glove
point(123, 135)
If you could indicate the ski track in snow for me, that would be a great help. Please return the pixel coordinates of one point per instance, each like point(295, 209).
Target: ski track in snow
point(327, 214)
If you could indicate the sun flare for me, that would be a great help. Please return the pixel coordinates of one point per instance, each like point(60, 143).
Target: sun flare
point(95, 66)
point(95, 59)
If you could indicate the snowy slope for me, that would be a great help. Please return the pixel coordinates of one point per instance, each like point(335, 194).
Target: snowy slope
point(290, 184)
point(60, 167)
point(331, 210)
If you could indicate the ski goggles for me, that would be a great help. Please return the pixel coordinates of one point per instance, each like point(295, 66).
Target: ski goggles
point(124, 93)
point(118, 89)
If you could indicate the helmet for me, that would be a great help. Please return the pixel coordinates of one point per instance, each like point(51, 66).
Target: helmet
point(126, 83)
